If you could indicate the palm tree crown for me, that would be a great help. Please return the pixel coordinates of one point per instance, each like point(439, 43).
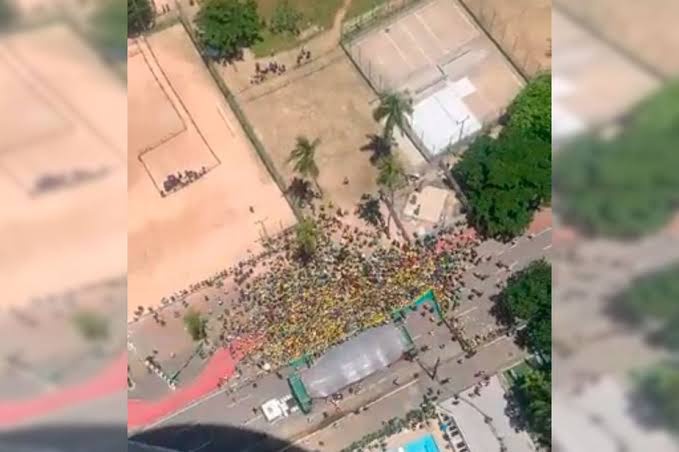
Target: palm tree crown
point(303, 157)
point(394, 107)
point(391, 174)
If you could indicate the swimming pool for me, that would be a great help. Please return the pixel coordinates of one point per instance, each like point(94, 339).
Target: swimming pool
point(424, 444)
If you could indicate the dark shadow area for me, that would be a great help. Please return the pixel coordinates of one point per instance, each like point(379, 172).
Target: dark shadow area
point(210, 438)
point(378, 146)
point(68, 438)
point(302, 191)
point(515, 413)
point(369, 210)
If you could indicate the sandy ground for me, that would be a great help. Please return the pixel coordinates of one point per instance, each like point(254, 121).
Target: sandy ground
point(521, 27)
point(72, 236)
point(332, 104)
point(201, 229)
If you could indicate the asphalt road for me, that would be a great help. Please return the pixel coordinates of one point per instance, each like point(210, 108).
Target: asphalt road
point(385, 398)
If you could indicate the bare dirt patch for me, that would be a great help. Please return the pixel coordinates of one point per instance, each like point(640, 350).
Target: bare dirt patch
point(183, 238)
point(333, 104)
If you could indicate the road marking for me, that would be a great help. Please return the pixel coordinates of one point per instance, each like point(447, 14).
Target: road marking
point(547, 247)
point(543, 231)
point(233, 404)
point(431, 33)
point(417, 45)
point(398, 50)
point(468, 311)
point(251, 420)
point(513, 264)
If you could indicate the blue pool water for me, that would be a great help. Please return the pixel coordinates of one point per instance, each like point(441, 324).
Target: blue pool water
point(424, 444)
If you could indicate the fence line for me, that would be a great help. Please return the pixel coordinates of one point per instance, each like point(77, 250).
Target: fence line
point(352, 28)
point(240, 115)
point(499, 33)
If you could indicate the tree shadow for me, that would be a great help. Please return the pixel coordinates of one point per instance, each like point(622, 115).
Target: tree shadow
point(369, 210)
point(515, 412)
point(301, 191)
point(378, 145)
point(211, 438)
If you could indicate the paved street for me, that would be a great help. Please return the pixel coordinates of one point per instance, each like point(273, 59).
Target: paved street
point(387, 393)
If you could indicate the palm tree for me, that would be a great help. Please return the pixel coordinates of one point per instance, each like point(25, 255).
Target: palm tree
point(306, 233)
point(391, 177)
point(395, 107)
point(303, 159)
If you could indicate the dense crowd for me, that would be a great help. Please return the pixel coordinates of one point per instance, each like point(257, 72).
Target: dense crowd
point(354, 280)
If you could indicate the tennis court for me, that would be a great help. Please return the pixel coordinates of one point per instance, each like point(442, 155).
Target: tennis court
point(458, 79)
point(409, 50)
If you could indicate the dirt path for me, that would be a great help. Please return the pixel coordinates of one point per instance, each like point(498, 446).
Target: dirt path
point(238, 75)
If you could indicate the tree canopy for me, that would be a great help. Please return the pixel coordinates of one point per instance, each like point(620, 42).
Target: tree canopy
point(139, 16)
point(528, 298)
point(91, 325)
point(286, 19)
point(307, 235)
point(110, 28)
point(303, 158)
point(533, 391)
point(530, 113)
point(627, 186)
point(195, 325)
point(505, 181)
point(394, 108)
point(651, 300)
point(226, 27)
point(658, 387)
point(391, 174)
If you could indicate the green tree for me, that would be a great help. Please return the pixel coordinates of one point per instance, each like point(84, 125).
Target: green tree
point(139, 16)
point(390, 177)
point(7, 12)
point(527, 300)
point(530, 113)
point(195, 325)
point(658, 389)
point(307, 237)
point(91, 326)
point(627, 186)
point(303, 159)
point(285, 19)
point(533, 392)
point(505, 181)
point(110, 28)
point(394, 109)
point(226, 27)
point(650, 302)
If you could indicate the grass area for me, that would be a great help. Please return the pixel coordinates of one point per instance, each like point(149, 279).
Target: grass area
point(318, 14)
point(516, 371)
point(360, 7)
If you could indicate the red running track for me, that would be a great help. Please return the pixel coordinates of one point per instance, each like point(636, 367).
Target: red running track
point(143, 412)
point(111, 379)
point(220, 367)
